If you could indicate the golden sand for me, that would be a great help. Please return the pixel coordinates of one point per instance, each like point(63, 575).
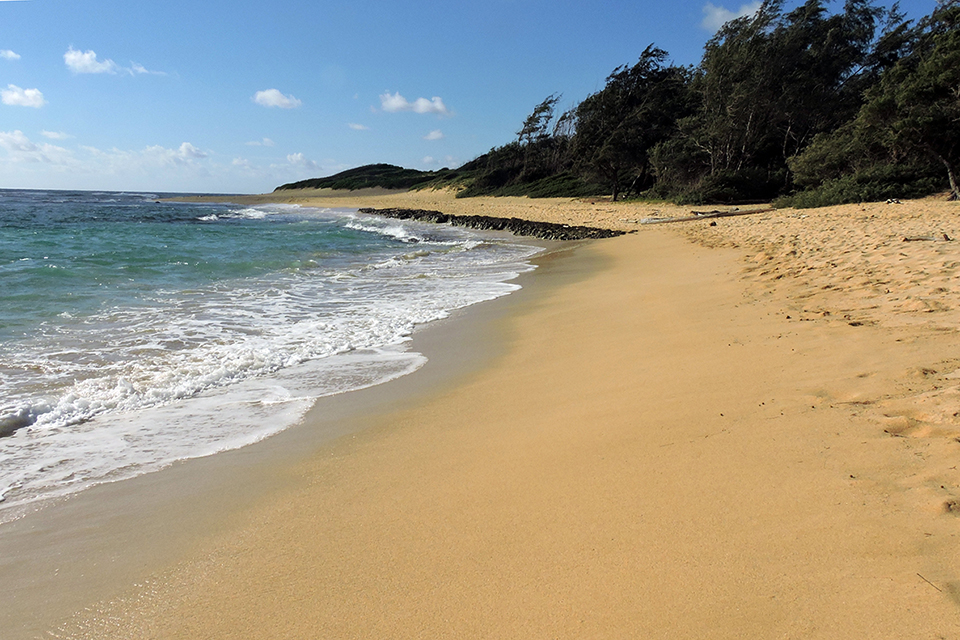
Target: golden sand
point(747, 430)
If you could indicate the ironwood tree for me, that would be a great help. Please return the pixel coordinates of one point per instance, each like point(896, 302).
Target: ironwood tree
point(618, 126)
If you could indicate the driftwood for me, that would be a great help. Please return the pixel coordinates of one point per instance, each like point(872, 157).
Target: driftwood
point(944, 237)
point(706, 215)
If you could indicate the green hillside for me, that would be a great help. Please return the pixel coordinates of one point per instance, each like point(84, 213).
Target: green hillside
point(385, 176)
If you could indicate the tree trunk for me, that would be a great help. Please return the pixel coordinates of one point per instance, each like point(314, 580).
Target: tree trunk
point(951, 175)
point(954, 192)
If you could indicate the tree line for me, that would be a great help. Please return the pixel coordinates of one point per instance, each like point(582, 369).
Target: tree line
point(803, 105)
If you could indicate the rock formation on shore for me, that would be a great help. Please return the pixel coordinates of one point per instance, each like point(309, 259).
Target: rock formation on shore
point(543, 230)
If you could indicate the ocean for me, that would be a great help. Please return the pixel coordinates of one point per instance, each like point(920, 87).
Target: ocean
point(135, 333)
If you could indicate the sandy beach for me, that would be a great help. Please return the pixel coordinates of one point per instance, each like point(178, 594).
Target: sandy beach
point(745, 430)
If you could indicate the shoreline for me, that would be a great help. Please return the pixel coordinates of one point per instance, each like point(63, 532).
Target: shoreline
point(735, 431)
point(91, 546)
point(596, 213)
point(652, 456)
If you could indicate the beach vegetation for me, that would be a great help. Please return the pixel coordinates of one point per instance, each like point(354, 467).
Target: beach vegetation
point(802, 106)
point(906, 135)
point(767, 85)
point(619, 126)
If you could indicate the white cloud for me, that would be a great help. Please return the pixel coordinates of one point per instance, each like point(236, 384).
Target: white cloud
point(300, 160)
point(55, 135)
point(264, 142)
point(22, 149)
point(393, 103)
point(138, 69)
point(86, 62)
point(715, 17)
point(153, 155)
point(436, 134)
point(428, 160)
point(189, 152)
point(358, 127)
point(16, 141)
point(273, 98)
point(6, 54)
point(17, 97)
point(41, 163)
point(150, 158)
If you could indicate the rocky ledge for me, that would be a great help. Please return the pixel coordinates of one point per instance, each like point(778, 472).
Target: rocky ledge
point(516, 226)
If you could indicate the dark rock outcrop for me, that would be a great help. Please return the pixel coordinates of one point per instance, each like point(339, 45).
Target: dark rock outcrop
point(516, 226)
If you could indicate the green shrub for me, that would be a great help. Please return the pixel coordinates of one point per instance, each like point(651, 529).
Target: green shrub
point(872, 185)
point(564, 185)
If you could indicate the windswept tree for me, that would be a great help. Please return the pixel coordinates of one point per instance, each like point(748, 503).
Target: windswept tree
point(537, 163)
point(907, 130)
point(916, 107)
point(618, 126)
point(770, 82)
point(537, 125)
point(543, 152)
point(853, 104)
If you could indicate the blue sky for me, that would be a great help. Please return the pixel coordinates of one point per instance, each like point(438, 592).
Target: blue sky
point(239, 97)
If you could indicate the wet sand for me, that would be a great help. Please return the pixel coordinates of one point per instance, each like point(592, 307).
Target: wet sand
point(97, 544)
point(742, 430)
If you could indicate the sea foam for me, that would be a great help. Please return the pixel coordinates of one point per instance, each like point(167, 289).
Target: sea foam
point(180, 331)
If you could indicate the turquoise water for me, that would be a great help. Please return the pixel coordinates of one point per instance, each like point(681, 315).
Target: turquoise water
point(134, 332)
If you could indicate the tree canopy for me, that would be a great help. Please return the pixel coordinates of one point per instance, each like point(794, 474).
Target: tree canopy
point(909, 123)
point(618, 126)
point(807, 104)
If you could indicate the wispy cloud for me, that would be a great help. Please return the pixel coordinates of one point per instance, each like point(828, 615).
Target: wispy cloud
point(17, 97)
point(118, 161)
point(87, 62)
point(157, 155)
point(56, 135)
point(430, 161)
point(436, 134)
point(358, 127)
point(265, 142)
point(6, 54)
point(184, 166)
point(21, 149)
point(393, 103)
point(138, 69)
point(715, 17)
point(273, 98)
